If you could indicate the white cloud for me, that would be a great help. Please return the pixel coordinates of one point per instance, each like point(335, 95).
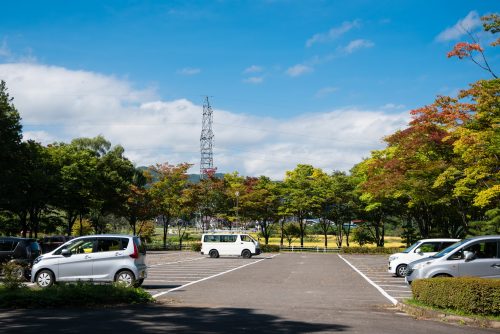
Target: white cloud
point(468, 23)
point(333, 33)
point(356, 45)
point(326, 91)
point(253, 69)
point(189, 71)
point(254, 80)
point(4, 49)
point(57, 104)
point(299, 70)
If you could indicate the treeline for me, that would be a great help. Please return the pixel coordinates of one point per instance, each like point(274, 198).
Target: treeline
point(437, 177)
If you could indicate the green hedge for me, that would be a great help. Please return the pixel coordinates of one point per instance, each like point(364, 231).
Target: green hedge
point(72, 295)
point(270, 248)
point(479, 296)
point(371, 250)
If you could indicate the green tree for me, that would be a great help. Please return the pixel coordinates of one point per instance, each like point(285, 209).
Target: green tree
point(166, 193)
point(301, 195)
point(260, 201)
point(10, 146)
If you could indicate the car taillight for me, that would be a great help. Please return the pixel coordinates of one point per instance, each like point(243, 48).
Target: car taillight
point(135, 254)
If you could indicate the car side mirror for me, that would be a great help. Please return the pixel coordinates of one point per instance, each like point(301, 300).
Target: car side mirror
point(468, 256)
point(66, 252)
point(418, 250)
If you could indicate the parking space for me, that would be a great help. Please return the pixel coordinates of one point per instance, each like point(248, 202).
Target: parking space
point(169, 271)
point(374, 267)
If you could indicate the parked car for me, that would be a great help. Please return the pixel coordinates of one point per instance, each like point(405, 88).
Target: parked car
point(19, 251)
point(49, 243)
point(419, 250)
point(479, 256)
point(229, 244)
point(99, 258)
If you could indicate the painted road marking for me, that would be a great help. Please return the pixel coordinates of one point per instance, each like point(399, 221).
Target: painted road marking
point(393, 300)
point(210, 277)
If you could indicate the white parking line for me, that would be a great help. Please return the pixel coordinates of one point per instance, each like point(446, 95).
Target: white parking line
point(382, 291)
point(209, 277)
point(181, 261)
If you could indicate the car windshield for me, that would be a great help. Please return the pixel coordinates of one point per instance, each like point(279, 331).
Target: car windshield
point(411, 247)
point(449, 249)
point(247, 238)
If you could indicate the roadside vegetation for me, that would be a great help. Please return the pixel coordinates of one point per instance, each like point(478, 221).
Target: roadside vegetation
point(18, 295)
point(462, 295)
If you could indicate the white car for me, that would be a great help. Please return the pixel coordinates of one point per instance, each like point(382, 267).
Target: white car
point(98, 258)
point(421, 249)
point(229, 244)
point(475, 257)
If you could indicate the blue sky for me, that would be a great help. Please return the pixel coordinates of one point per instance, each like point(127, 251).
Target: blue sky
point(317, 82)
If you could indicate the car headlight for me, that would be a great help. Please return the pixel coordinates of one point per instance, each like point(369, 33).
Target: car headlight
point(38, 259)
point(393, 257)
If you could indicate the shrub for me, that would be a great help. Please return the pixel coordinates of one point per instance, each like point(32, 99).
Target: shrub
point(479, 296)
point(270, 248)
point(72, 295)
point(13, 275)
point(370, 250)
point(196, 247)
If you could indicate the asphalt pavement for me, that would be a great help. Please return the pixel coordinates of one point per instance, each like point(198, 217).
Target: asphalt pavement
point(285, 293)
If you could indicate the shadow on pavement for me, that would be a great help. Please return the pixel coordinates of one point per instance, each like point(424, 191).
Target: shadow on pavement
point(153, 319)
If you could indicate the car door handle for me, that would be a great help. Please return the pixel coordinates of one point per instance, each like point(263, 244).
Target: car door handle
point(88, 257)
point(118, 253)
point(496, 265)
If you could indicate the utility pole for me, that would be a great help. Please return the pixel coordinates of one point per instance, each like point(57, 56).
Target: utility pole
point(206, 141)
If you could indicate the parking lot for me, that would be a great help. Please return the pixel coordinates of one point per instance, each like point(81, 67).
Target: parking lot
point(269, 293)
point(169, 271)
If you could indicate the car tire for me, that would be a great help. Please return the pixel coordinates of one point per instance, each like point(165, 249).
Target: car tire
point(213, 254)
point(125, 278)
point(45, 278)
point(401, 270)
point(138, 283)
point(246, 254)
point(441, 275)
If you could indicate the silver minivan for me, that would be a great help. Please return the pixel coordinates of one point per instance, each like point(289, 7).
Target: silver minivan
point(99, 258)
point(478, 256)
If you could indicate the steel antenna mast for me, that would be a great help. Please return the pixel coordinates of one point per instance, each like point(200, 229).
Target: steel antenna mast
point(206, 141)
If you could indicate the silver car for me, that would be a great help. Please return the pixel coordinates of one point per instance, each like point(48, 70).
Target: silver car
point(99, 258)
point(479, 256)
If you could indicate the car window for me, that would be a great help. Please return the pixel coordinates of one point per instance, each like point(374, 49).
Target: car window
point(7, 245)
point(228, 238)
point(486, 249)
point(140, 245)
point(445, 244)
point(78, 246)
point(110, 244)
point(428, 247)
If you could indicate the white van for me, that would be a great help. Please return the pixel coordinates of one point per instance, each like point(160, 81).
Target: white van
point(421, 249)
point(229, 244)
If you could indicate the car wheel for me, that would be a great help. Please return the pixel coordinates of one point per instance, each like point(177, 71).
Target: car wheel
point(246, 254)
point(45, 278)
point(138, 283)
point(125, 278)
point(213, 254)
point(441, 275)
point(401, 270)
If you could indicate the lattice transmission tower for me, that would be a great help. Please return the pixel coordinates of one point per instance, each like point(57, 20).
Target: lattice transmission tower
point(206, 141)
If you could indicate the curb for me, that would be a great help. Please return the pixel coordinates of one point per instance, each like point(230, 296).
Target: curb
point(424, 313)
